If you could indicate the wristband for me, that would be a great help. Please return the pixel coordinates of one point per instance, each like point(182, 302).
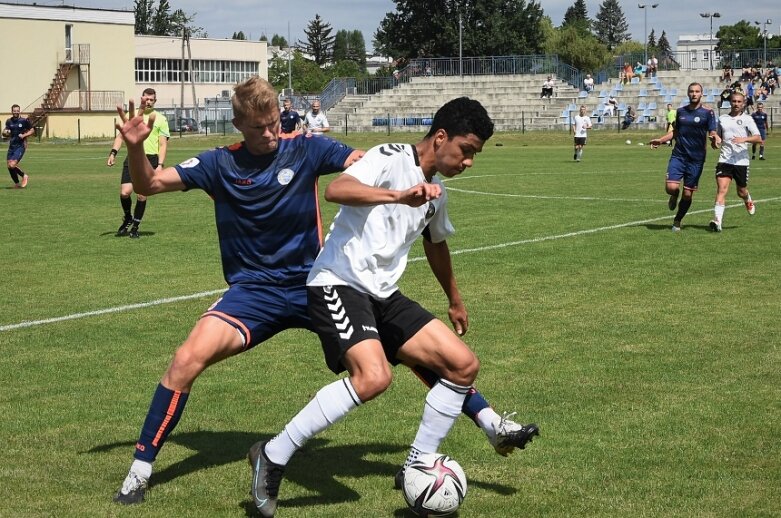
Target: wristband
point(113, 152)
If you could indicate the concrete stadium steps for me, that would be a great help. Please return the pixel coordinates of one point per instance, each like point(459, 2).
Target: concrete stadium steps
point(512, 101)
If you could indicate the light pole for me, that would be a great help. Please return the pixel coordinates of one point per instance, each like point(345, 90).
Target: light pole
point(645, 7)
point(764, 40)
point(710, 42)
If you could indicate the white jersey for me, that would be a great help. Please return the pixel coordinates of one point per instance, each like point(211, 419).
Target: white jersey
point(318, 121)
point(582, 124)
point(742, 125)
point(367, 247)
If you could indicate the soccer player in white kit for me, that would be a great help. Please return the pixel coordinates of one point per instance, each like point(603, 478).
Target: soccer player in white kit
point(737, 130)
point(389, 199)
point(580, 126)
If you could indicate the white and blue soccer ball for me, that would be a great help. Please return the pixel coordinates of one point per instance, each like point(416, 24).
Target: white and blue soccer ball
point(434, 485)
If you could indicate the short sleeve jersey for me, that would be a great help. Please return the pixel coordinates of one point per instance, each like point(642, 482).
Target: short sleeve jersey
point(316, 121)
point(289, 120)
point(367, 247)
point(266, 207)
point(691, 132)
point(582, 124)
point(730, 127)
point(760, 118)
point(17, 127)
point(160, 128)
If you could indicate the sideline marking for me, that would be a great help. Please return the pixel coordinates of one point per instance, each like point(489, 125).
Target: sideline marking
point(32, 323)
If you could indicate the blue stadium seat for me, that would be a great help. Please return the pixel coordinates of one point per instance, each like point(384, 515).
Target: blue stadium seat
point(641, 105)
point(583, 94)
point(635, 80)
point(652, 105)
point(602, 94)
point(643, 93)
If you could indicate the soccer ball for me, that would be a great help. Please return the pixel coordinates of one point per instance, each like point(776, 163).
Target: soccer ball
point(434, 485)
point(628, 142)
point(6, 133)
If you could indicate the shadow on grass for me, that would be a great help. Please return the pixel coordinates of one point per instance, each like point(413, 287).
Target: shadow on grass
point(316, 467)
point(684, 227)
point(141, 233)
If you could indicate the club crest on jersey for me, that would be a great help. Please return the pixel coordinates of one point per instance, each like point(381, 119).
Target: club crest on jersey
point(740, 122)
point(191, 162)
point(285, 176)
point(430, 210)
point(696, 119)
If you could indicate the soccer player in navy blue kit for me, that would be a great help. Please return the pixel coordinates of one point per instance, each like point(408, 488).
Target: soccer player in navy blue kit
point(269, 229)
point(16, 130)
point(289, 118)
point(694, 125)
point(760, 118)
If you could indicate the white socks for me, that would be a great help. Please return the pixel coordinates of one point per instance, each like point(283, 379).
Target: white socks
point(330, 404)
point(141, 468)
point(443, 406)
point(718, 212)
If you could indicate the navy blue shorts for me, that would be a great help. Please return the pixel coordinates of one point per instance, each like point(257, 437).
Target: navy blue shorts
point(259, 311)
point(16, 152)
point(679, 169)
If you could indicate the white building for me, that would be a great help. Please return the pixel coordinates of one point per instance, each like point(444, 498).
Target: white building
point(699, 51)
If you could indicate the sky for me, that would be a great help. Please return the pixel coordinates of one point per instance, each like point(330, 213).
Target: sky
point(221, 19)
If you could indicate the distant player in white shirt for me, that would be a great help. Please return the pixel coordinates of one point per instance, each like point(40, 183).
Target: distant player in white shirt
point(363, 320)
point(315, 121)
point(737, 130)
point(580, 126)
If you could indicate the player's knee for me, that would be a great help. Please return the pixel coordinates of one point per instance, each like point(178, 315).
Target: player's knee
point(467, 370)
point(370, 383)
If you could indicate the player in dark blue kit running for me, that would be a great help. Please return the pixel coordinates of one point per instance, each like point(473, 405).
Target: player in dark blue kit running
point(694, 124)
point(290, 119)
point(16, 130)
point(269, 229)
point(760, 118)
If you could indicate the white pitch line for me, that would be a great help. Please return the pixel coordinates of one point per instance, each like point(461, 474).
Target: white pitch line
point(129, 307)
point(31, 323)
point(539, 197)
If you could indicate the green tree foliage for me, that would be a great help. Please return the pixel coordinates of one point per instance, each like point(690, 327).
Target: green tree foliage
point(430, 28)
point(319, 42)
point(584, 52)
point(239, 36)
point(743, 35)
point(263, 37)
point(652, 42)
point(610, 26)
point(350, 46)
point(577, 16)
point(161, 21)
point(307, 75)
point(663, 49)
point(279, 41)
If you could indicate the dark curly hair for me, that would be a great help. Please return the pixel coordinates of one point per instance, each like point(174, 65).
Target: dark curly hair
point(462, 116)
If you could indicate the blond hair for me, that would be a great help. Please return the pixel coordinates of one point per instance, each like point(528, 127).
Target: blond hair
point(253, 96)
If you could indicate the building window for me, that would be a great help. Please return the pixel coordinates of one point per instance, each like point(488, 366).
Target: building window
point(693, 54)
point(154, 70)
point(705, 55)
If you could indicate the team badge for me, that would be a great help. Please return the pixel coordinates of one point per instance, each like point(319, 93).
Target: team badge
point(190, 162)
point(430, 210)
point(740, 122)
point(696, 119)
point(285, 176)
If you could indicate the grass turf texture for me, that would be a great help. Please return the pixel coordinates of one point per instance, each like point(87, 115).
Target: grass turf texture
point(649, 359)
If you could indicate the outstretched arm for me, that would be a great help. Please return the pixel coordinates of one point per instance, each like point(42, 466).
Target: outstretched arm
point(348, 190)
point(438, 256)
point(145, 180)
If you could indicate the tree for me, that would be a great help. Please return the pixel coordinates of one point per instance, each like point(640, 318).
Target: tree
point(652, 41)
point(663, 47)
point(349, 45)
point(584, 52)
point(319, 42)
point(577, 16)
point(239, 36)
point(742, 35)
point(160, 21)
point(610, 26)
point(426, 28)
point(263, 37)
point(279, 41)
point(307, 76)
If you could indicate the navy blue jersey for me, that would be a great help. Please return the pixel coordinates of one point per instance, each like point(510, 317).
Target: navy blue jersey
point(17, 127)
point(761, 119)
point(267, 207)
point(692, 127)
point(289, 120)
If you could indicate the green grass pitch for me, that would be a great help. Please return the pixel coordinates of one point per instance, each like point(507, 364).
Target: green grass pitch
point(649, 359)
